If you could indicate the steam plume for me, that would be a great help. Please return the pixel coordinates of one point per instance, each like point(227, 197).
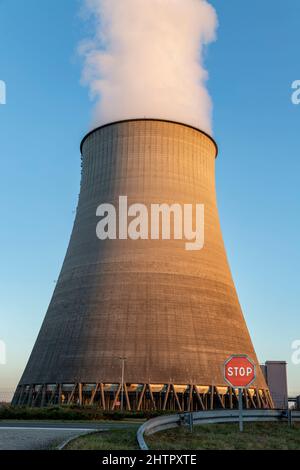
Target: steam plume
point(146, 60)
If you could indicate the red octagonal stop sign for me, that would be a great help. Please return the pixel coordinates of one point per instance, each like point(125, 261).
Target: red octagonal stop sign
point(239, 371)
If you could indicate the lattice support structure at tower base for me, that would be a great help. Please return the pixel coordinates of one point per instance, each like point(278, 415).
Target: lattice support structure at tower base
point(141, 397)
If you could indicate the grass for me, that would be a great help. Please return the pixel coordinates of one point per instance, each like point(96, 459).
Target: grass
point(113, 440)
point(73, 413)
point(257, 436)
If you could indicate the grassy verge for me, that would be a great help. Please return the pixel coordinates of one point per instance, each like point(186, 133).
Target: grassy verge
point(65, 413)
point(113, 440)
point(260, 436)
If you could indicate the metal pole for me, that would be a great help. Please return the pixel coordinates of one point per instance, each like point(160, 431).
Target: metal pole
point(241, 410)
point(191, 422)
point(290, 419)
point(122, 389)
point(123, 359)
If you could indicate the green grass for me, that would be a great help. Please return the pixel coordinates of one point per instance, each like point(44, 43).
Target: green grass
point(112, 440)
point(260, 436)
point(65, 413)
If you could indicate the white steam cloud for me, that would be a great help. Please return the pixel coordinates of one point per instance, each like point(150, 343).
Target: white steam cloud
point(146, 60)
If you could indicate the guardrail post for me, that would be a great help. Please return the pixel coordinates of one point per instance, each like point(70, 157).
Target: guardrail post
point(191, 422)
point(290, 420)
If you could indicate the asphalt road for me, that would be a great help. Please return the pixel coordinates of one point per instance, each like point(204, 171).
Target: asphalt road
point(29, 435)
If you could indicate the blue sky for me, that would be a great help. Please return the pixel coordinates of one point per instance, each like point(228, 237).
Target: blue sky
point(252, 66)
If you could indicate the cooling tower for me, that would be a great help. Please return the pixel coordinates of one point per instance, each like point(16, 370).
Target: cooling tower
point(143, 320)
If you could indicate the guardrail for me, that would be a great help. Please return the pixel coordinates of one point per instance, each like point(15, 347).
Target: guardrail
point(163, 423)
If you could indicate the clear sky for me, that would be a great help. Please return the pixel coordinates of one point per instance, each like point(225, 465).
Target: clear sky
point(252, 66)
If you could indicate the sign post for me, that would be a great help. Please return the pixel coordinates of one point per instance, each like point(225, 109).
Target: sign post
point(241, 423)
point(239, 373)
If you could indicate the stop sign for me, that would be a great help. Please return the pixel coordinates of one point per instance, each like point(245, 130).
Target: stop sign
point(239, 371)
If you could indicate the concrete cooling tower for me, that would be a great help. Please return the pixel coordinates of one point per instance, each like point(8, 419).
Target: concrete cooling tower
point(142, 323)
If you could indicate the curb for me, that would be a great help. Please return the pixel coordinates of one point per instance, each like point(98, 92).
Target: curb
point(73, 438)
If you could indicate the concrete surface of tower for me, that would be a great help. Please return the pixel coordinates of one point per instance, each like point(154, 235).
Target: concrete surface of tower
point(166, 317)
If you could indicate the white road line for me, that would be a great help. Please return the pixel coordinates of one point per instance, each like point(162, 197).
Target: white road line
point(15, 428)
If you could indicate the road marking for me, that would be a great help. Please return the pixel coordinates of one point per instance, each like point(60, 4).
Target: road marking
point(46, 429)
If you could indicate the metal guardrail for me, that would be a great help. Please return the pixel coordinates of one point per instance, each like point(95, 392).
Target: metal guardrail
point(163, 423)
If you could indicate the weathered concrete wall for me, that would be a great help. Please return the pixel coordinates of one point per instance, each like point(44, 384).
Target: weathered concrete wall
point(173, 313)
